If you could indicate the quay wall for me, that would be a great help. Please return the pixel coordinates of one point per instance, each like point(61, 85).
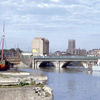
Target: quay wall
point(21, 93)
point(26, 59)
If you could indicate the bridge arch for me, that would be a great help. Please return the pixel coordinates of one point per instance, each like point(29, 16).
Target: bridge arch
point(65, 64)
point(46, 64)
point(72, 63)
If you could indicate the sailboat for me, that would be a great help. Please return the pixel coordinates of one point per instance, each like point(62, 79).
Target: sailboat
point(3, 61)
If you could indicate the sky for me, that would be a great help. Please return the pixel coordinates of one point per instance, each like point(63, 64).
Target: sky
point(56, 20)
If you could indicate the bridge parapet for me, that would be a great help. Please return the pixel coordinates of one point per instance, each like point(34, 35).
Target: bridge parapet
point(67, 57)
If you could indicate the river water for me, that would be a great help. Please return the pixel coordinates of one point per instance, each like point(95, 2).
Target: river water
point(72, 84)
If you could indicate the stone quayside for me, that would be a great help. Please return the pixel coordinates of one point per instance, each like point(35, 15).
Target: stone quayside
point(16, 84)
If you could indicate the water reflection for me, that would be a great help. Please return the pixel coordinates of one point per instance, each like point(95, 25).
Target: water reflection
point(96, 73)
point(71, 87)
point(72, 83)
point(66, 69)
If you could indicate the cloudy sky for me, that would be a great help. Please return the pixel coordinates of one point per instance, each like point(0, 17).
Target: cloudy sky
point(56, 20)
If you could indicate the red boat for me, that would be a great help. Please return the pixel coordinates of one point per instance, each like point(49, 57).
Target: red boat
point(4, 65)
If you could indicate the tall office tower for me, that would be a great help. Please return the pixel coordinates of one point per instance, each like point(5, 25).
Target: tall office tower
point(40, 46)
point(71, 46)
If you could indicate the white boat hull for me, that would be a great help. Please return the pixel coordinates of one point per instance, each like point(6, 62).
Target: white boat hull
point(95, 68)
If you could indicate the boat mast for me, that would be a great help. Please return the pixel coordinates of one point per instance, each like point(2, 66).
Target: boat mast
point(3, 36)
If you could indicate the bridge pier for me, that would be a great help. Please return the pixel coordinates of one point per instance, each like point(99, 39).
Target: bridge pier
point(89, 64)
point(34, 64)
point(37, 64)
point(57, 65)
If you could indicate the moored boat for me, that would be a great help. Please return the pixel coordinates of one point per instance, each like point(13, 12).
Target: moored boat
point(96, 67)
point(3, 65)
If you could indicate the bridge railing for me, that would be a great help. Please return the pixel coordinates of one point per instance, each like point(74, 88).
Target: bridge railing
point(68, 57)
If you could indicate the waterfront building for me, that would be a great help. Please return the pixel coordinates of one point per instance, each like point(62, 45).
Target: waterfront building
point(80, 52)
point(94, 52)
point(40, 46)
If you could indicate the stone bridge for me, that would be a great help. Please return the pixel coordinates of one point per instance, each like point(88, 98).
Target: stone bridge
point(62, 61)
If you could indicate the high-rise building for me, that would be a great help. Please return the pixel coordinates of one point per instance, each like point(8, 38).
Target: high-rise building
point(71, 46)
point(40, 46)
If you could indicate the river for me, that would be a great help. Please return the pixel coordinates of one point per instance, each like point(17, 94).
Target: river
point(72, 84)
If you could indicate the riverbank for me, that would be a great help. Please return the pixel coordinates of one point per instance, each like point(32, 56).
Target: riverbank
point(18, 85)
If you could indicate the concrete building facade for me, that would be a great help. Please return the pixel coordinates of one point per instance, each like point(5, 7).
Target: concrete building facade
point(40, 46)
point(94, 52)
point(71, 46)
